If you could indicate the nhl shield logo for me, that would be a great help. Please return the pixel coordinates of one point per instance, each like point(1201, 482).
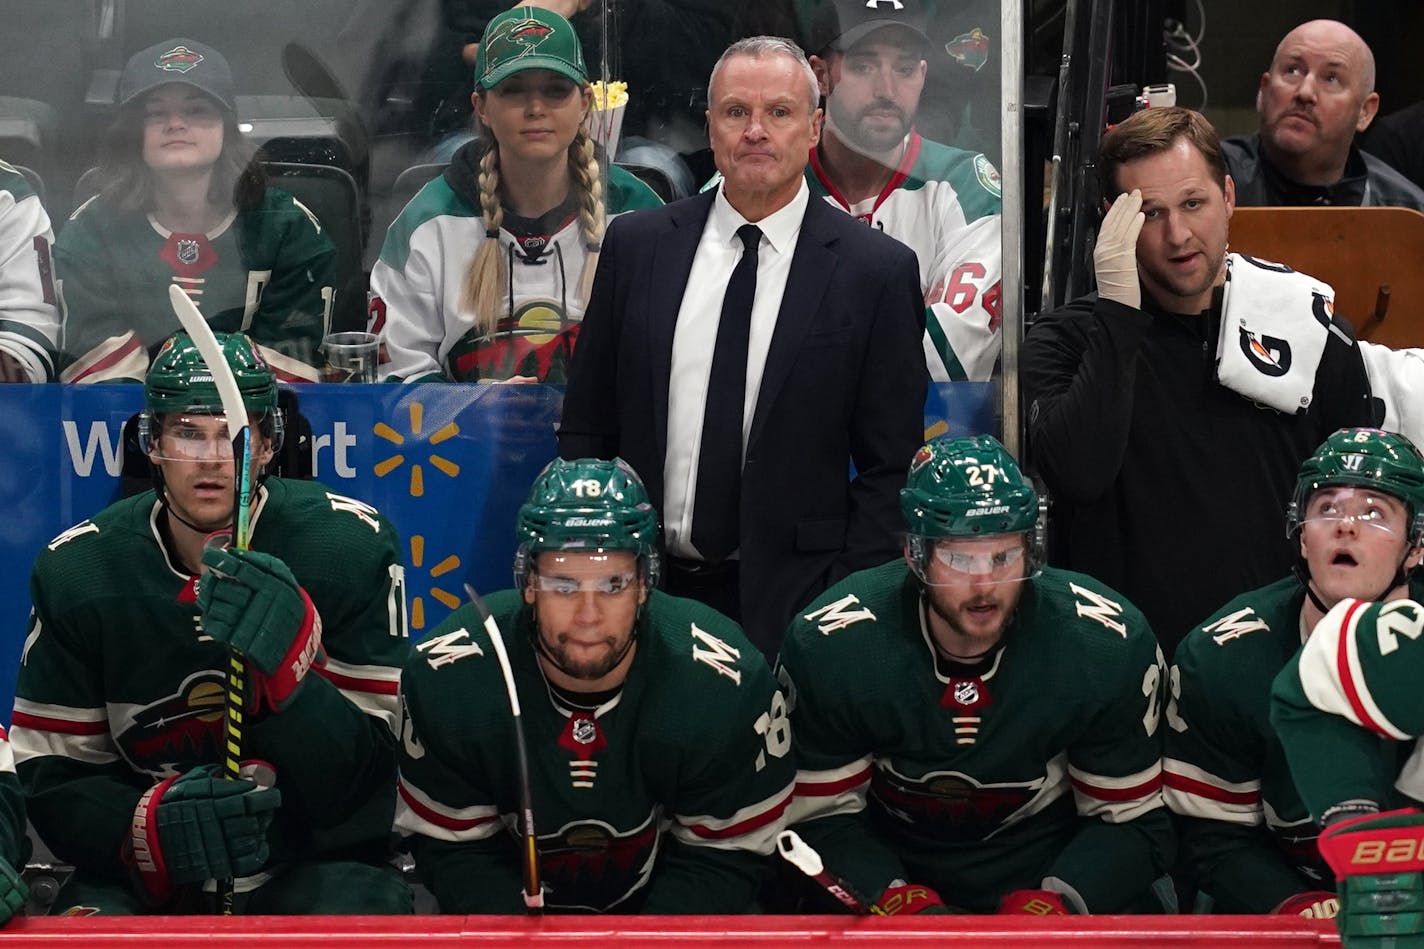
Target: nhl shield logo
point(966, 693)
point(585, 731)
point(188, 251)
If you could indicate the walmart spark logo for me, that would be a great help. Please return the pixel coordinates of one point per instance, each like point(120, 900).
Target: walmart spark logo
point(417, 561)
point(417, 471)
point(405, 445)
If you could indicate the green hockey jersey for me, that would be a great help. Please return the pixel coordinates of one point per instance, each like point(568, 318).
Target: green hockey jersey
point(119, 687)
point(1352, 687)
point(1039, 768)
point(1244, 827)
point(663, 800)
point(267, 272)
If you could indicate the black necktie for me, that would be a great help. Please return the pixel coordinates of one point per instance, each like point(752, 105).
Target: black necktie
point(717, 509)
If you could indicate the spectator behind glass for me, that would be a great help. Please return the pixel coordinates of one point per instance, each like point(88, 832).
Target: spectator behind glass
point(29, 319)
point(484, 274)
point(181, 202)
point(943, 202)
point(1317, 94)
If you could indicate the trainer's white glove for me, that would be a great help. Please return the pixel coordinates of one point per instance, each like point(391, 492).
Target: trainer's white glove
point(1115, 255)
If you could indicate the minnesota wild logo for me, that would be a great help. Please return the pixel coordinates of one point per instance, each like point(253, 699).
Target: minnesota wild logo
point(515, 38)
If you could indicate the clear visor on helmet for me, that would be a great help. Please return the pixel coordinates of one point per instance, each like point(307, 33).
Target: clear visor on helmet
point(960, 561)
point(571, 571)
point(611, 585)
point(1341, 507)
point(193, 437)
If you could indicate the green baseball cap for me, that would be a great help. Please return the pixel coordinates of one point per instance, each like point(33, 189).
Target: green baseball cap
point(529, 38)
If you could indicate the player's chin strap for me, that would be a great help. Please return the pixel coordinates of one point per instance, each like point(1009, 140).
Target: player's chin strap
point(1401, 579)
point(173, 513)
point(1302, 573)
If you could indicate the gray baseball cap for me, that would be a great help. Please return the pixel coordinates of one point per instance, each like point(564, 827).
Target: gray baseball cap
point(177, 60)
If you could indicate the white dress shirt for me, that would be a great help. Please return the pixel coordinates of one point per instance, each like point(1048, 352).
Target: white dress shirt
point(696, 336)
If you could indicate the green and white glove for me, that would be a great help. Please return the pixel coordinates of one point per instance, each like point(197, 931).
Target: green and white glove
point(251, 602)
point(13, 891)
point(1115, 253)
point(1378, 861)
point(200, 826)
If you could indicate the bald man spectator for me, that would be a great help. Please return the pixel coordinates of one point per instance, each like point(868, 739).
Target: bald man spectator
point(1318, 93)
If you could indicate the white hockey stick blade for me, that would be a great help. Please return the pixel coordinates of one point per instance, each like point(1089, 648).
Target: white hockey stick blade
point(207, 343)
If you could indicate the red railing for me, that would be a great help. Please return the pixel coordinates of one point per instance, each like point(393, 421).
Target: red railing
point(646, 932)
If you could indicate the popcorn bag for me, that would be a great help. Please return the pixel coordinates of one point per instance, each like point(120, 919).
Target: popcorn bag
point(605, 119)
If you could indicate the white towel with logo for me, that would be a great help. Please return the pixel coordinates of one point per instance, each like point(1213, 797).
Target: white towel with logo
point(1274, 326)
point(1397, 380)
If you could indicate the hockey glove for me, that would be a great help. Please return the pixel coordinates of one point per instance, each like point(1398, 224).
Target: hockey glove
point(13, 891)
point(1377, 861)
point(908, 899)
point(200, 826)
point(1115, 253)
point(251, 602)
point(1032, 903)
point(1313, 904)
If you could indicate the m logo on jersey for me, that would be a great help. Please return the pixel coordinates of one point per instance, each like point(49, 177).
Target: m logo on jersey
point(715, 653)
point(1234, 625)
point(597, 862)
point(177, 732)
point(451, 647)
point(78, 530)
point(838, 615)
point(1100, 609)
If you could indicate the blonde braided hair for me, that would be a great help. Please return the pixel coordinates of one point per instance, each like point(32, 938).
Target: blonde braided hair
point(588, 178)
point(482, 290)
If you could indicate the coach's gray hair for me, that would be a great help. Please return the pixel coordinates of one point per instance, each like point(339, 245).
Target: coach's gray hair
point(759, 46)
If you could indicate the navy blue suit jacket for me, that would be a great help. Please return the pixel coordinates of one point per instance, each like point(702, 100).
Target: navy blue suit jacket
point(844, 385)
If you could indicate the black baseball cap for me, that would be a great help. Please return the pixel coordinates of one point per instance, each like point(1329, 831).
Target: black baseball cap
point(840, 24)
point(177, 60)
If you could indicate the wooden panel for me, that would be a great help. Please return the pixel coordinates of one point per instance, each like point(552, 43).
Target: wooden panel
point(1357, 251)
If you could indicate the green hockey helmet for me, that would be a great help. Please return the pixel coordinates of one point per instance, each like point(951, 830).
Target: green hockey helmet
point(587, 504)
point(1367, 458)
point(180, 381)
point(968, 487)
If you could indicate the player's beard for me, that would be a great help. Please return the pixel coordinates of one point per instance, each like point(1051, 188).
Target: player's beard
point(851, 130)
point(955, 615)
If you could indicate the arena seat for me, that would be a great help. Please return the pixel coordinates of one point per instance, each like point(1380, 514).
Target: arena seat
point(333, 196)
point(1369, 255)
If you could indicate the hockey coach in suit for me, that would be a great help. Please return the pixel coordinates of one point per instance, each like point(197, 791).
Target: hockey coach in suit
point(745, 348)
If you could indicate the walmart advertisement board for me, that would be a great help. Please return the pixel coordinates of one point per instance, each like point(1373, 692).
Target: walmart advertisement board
point(449, 464)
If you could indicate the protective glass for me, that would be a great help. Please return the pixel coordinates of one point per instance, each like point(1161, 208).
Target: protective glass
point(1335, 508)
point(568, 586)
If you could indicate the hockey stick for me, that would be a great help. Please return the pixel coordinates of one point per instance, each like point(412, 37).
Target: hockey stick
point(804, 857)
point(240, 432)
point(533, 889)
